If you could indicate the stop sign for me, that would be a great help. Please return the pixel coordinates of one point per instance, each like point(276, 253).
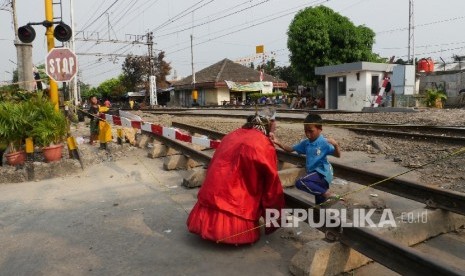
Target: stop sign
point(61, 64)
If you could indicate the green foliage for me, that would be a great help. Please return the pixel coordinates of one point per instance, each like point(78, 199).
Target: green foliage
point(14, 94)
point(32, 117)
point(319, 36)
point(85, 90)
point(43, 75)
point(112, 88)
point(435, 98)
point(256, 96)
point(288, 74)
point(49, 126)
point(12, 124)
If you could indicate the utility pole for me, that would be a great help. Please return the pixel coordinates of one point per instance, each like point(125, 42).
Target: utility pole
point(53, 93)
point(23, 56)
point(108, 22)
point(76, 94)
point(152, 79)
point(192, 61)
point(15, 19)
point(411, 32)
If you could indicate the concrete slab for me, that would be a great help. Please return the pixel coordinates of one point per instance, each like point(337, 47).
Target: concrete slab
point(142, 140)
point(176, 162)
point(195, 178)
point(159, 150)
point(289, 176)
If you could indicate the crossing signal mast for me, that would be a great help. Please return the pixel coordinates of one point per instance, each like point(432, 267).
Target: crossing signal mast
point(62, 32)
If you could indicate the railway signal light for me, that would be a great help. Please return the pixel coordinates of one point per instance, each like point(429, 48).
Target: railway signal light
point(26, 34)
point(62, 32)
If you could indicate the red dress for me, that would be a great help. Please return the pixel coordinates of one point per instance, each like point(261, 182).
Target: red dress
point(241, 182)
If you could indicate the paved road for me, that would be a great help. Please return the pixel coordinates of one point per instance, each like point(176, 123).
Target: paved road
point(119, 218)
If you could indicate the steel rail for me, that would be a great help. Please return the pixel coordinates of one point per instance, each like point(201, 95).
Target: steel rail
point(433, 197)
point(386, 251)
point(249, 108)
point(425, 136)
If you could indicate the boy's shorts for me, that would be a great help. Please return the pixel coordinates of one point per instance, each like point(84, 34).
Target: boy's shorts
point(315, 184)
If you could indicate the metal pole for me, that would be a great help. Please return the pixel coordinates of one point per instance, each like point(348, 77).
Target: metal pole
point(15, 19)
point(192, 61)
point(73, 48)
point(411, 33)
point(53, 93)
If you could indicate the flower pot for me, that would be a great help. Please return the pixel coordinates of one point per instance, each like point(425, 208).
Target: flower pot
point(52, 153)
point(16, 158)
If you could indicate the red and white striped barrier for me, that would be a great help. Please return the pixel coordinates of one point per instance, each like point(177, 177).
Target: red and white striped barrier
point(380, 95)
point(168, 132)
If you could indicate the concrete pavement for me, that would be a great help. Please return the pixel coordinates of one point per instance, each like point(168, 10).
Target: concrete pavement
point(120, 218)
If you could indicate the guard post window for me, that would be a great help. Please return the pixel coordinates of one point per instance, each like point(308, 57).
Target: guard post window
point(374, 85)
point(341, 86)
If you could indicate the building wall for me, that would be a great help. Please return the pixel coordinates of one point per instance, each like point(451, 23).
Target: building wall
point(358, 90)
point(222, 95)
point(451, 82)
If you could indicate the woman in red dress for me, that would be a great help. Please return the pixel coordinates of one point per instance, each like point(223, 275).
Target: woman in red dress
point(241, 182)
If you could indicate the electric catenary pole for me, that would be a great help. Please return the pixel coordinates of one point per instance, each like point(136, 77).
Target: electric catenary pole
point(411, 33)
point(152, 79)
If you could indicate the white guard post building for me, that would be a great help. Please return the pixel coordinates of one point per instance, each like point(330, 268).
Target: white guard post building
point(353, 86)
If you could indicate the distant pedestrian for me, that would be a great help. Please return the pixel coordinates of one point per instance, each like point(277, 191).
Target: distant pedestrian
point(94, 120)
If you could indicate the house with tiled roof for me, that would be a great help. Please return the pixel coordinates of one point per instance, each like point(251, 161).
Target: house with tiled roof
point(212, 87)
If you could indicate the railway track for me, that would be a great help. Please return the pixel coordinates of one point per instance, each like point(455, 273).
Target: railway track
point(451, 135)
point(401, 258)
point(433, 197)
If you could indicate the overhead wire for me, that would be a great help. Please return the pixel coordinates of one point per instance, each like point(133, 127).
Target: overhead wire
point(98, 17)
point(95, 11)
point(207, 17)
point(245, 28)
point(213, 20)
point(181, 15)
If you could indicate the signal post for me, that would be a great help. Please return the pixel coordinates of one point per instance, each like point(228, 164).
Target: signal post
point(53, 93)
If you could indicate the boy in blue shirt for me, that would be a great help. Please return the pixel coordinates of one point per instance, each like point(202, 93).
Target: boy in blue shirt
point(316, 149)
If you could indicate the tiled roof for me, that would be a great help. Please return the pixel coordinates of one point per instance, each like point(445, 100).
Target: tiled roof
point(226, 70)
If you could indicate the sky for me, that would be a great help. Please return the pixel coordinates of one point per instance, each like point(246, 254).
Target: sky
point(223, 29)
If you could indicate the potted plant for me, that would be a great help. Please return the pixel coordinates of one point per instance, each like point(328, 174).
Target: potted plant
point(49, 130)
point(13, 121)
point(435, 98)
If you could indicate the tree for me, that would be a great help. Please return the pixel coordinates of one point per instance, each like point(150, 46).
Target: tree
point(136, 70)
point(84, 89)
point(112, 88)
point(288, 74)
point(268, 67)
point(319, 37)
